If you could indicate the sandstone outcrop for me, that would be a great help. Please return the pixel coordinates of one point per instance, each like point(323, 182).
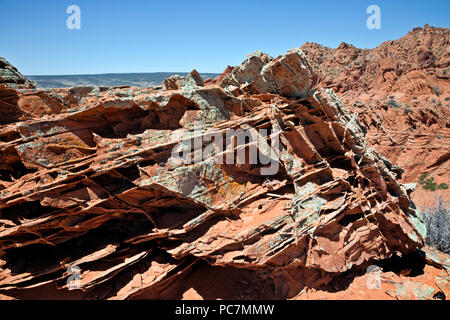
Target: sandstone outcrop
point(11, 79)
point(289, 75)
point(420, 276)
point(401, 92)
point(125, 190)
point(10, 76)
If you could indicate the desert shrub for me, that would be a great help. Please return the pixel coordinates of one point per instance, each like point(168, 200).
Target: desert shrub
point(437, 91)
point(394, 104)
point(444, 71)
point(447, 99)
point(437, 219)
point(431, 185)
point(423, 177)
point(408, 110)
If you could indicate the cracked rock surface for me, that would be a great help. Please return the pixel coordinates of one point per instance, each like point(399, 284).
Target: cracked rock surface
point(91, 188)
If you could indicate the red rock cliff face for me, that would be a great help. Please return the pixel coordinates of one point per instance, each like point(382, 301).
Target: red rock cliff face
point(401, 92)
point(92, 188)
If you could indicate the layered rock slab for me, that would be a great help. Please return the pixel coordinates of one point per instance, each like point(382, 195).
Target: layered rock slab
point(97, 192)
point(10, 76)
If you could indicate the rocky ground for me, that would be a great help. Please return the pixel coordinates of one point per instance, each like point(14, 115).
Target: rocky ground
point(93, 190)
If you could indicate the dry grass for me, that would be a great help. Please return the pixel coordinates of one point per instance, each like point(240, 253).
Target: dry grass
point(437, 218)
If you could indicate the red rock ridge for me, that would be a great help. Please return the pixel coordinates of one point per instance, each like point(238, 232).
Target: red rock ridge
point(401, 92)
point(90, 181)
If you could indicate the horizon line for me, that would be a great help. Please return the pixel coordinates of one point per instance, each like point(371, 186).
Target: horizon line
point(111, 73)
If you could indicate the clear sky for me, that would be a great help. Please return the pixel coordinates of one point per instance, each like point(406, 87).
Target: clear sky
point(180, 35)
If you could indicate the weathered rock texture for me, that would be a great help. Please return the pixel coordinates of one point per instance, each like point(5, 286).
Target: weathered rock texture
point(11, 79)
point(289, 75)
point(401, 92)
point(420, 276)
point(89, 180)
point(10, 76)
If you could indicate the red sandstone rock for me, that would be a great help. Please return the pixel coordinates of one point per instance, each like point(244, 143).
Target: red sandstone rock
point(289, 75)
point(89, 181)
point(401, 92)
point(10, 76)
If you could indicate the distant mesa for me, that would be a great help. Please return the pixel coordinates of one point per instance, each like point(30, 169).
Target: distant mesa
point(109, 79)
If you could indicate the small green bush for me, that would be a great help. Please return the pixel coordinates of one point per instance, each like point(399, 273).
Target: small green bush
point(443, 186)
point(408, 109)
point(437, 91)
point(431, 185)
point(423, 177)
point(394, 104)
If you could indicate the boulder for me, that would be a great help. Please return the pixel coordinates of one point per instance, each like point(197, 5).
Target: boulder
point(289, 75)
point(10, 76)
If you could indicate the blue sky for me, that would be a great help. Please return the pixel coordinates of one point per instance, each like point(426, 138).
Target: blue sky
point(180, 35)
